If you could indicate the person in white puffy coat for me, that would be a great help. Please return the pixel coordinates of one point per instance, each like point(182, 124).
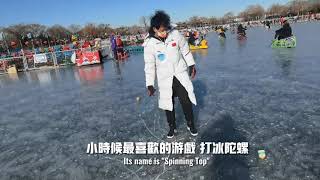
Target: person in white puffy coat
point(167, 56)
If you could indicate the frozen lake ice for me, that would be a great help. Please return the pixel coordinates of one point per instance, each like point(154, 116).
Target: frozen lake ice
point(246, 92)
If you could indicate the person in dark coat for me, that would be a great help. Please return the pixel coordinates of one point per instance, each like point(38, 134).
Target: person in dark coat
point(284, 32)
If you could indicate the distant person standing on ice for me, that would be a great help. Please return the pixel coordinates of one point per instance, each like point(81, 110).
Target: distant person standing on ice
point(268, 24)
point(282, 19)
point(167, 57)
point(119, 45)
point(113, 43)
point(191, 39)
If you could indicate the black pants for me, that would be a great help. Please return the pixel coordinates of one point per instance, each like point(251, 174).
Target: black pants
point(120, 50)
point(180, 92)
point(279, 36)
point(115, 55)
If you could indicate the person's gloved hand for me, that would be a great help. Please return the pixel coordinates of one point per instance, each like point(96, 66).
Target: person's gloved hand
point(192, 71)
point(151, 90)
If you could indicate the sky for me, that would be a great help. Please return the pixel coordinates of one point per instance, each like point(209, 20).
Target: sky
point(116, 12)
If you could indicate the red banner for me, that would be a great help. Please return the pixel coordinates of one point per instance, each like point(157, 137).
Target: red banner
point(86, 58)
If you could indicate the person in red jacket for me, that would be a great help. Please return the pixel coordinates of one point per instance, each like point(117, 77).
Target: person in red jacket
point(120, 46)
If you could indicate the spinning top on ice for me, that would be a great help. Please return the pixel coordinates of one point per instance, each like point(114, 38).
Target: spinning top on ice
point(262, 154)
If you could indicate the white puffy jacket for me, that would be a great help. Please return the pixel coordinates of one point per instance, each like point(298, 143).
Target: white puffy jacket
point(168, 59)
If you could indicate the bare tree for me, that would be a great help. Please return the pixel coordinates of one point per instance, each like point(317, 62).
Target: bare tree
point(135, 29)
point(36, 30)
point(144, 21)
point(90, 31)
point(16, 32)
point(58, 32)
point(298, 6)
point(194, 21)
point(203, 21)
point(255, 11)
point(122, 30)
point(228, 17)
point(105, 30)
point(213, 21)
point(74, 28)
point(314, 7)
point(277, 10)
point(252, 12)
point(244, 15)
point(1, 33)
